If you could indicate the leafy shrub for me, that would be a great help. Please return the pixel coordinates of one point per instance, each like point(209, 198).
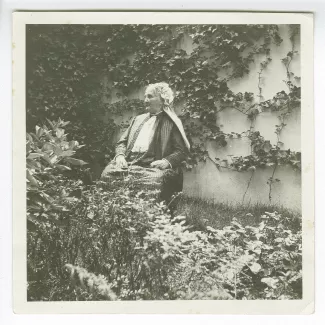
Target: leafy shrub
point(48, 159)
point(265, 261)
point(141, 252)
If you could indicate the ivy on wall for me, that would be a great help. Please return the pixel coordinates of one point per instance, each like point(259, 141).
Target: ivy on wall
point(283, 103)
point(66, 65)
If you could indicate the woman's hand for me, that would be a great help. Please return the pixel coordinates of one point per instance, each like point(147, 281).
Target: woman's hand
point(121, 162)
point(161, 164)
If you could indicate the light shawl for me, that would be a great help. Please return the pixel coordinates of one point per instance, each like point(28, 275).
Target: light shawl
point(145, 135)
point(171, 113)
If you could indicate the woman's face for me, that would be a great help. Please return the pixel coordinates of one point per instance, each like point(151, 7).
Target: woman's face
point(152, 101)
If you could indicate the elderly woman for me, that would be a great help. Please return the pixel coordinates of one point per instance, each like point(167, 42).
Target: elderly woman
point(154, 146)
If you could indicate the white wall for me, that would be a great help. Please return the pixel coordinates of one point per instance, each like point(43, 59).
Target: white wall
point(228, 186)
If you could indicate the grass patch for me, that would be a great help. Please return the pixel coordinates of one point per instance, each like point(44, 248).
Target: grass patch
point(202, 213)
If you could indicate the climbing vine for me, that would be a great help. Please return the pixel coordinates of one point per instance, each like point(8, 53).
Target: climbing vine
point(82, 73)
point(262, 152)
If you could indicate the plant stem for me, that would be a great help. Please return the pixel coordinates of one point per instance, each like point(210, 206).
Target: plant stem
point(218, 166)
point(249, 183)
point(271, 182)
point(240, 110)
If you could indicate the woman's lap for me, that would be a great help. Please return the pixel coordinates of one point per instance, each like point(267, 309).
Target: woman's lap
point(167, 182)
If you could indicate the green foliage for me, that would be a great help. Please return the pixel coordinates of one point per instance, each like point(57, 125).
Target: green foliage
point(48, 163)
point(275, 255)
point(64, 68)
point(265, 155)
point(128, 247)
point(63, 72)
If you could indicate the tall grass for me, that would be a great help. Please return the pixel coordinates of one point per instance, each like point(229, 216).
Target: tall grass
point(201, 213)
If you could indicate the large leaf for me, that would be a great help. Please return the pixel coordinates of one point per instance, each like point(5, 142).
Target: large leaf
point(59, 133)
point(67, 153)
point(271, 282)
point(34, 155)
point(63, 168)
point(32, 180)
point(28, 147)
point(39, 131)
point(47, 158)
point(48, 147)
point(255, 267)
point(76, 162)
point(65, 123)
point(73, 144)
point(267, 146)
point(30, 139)
point(54, 159)
point(58, 151)
point(35, 137)
point(52, 125)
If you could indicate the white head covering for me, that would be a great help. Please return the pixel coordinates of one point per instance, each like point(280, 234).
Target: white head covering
point(166, 94)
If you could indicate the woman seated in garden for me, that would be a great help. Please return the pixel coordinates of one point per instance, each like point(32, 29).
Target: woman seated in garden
point(151, 150)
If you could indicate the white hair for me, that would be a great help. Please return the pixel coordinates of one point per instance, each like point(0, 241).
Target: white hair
point(165, 92)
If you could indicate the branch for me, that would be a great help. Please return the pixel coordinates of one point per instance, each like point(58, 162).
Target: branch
point(240, 111)
point(249, 183)
point(217, 165)
point(271, 182)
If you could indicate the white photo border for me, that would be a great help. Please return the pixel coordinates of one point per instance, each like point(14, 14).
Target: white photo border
point(21, 305)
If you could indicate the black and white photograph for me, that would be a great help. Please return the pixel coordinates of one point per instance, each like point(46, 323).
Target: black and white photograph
point(166, 159)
